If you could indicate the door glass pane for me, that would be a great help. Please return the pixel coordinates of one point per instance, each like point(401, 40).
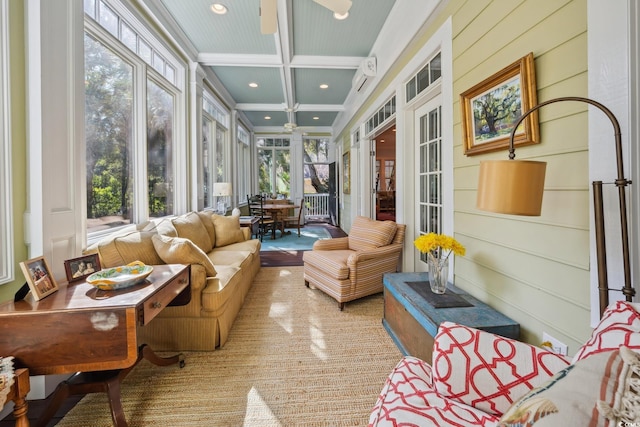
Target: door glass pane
point(159, 150)
point(108, 133)
point(430, 192)
point(265, 162)
point(283, 172)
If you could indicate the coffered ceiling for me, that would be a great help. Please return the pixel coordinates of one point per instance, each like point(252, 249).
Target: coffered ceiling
point(310, 48)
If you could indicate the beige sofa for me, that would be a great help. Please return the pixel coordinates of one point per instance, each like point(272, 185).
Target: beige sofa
point(223, 258)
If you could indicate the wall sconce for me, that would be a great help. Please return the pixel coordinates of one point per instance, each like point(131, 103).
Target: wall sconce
point(221, 189)
point(515, 187)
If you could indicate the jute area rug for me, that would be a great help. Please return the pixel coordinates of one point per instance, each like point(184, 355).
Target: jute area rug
point(292, 359)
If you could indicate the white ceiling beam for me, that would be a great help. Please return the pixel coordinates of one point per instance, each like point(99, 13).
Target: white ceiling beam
point(337, 62)
point(280, 107)
point(240, 60)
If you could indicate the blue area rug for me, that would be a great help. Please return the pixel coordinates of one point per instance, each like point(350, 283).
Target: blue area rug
point(291, 242)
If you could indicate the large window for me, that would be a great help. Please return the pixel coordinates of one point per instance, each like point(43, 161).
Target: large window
point(244, 164)
point(274, 160)
point(132, 100)
point(215, 146)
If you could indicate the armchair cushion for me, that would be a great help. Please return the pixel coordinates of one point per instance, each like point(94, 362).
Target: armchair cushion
point(189, 226)
point(333, 263)
point(487, 371)
point(619, 325)
point(603, 387)
point(367, 233)
point(227, 229)
point(178, 250)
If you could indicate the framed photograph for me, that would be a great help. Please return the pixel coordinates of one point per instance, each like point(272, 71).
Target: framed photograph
point(490, 108)
point(79, 268)
point(38, 275)
point(346, 172)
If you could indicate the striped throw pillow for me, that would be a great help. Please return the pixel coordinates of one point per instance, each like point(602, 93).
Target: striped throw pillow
point(367, 233)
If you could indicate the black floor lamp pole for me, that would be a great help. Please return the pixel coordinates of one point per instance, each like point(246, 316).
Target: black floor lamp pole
point(621, 182)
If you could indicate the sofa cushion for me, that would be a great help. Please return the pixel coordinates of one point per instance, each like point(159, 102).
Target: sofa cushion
point(134, 246)
point(488, 371)
point(231, 258)
point(408, 399)
point(367, 233)
point(619, 325)
point(207, 221)
point(191, 227)
point(602, 387)
point(220, 290)
point(227, 229)
point(178, 250)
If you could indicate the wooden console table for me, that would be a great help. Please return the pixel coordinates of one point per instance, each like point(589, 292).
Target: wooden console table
point(90, 333)
point(18, 394)
point(413, 322)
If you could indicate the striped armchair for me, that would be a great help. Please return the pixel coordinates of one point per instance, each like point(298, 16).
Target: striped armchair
point(348, 268)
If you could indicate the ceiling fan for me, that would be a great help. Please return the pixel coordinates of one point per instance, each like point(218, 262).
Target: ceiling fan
point(269, 12)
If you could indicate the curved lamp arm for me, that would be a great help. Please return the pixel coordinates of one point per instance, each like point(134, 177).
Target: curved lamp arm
point(621, 182)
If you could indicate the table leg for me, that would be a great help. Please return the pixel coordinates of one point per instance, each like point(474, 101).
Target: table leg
point(103, 382)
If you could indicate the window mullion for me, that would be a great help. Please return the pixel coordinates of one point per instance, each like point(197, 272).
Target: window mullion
point(141, 207)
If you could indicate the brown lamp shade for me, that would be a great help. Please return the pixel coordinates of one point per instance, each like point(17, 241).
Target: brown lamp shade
point(511, 187)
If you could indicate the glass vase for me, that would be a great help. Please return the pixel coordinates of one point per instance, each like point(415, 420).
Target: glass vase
point(438, 274)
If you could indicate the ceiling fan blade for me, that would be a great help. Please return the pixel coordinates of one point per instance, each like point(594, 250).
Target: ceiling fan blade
point(268, 16)
point(336, 6)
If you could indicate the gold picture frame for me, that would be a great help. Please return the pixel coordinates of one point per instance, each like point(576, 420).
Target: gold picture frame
point(346, 172)
point(490, 108)
point(39, 278)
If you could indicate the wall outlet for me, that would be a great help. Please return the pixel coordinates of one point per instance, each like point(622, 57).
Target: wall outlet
point(556, 346)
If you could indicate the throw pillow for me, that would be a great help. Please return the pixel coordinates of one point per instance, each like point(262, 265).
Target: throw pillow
point(619, 325)
point(367, 233)
point(601, 390)
point(227, 230)
point(178, 250)
point(207, 221)
point(488, 371)
point(190, 227)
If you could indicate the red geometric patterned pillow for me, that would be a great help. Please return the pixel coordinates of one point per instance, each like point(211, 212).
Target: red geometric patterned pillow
point(619, 325)
point(408, 399)
point(487, 371)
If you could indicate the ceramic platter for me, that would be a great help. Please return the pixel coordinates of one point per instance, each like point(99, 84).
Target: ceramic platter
point(119, 277)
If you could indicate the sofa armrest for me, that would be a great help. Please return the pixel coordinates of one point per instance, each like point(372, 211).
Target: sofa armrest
point(331, 244)
point(487, 371)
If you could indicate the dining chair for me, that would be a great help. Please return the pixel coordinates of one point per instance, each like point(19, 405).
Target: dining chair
point(294, 220)
point(266, 223)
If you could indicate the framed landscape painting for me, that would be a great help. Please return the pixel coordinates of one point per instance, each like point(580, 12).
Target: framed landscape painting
point(490, 108)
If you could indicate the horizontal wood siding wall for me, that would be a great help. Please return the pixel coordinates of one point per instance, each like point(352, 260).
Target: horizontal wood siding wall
point(533, 269)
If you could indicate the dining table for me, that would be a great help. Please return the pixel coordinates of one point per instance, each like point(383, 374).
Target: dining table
point(277, 210)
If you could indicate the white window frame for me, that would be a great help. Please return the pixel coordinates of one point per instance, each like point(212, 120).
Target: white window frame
point(7, 268)
point(142, 73)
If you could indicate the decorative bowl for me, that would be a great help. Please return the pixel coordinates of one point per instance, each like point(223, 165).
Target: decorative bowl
point(120, 277)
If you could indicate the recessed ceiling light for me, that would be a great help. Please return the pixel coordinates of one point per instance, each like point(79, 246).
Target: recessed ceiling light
point(324, 86)
point(316, 118)
point(267, 117)
point(253, 84)
point(341, 17)
point(219, 8)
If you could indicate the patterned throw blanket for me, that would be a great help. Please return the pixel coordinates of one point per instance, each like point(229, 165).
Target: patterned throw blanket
point(6, 377)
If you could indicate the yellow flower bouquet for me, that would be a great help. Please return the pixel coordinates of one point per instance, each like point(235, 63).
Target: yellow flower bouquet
point(438, 247)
